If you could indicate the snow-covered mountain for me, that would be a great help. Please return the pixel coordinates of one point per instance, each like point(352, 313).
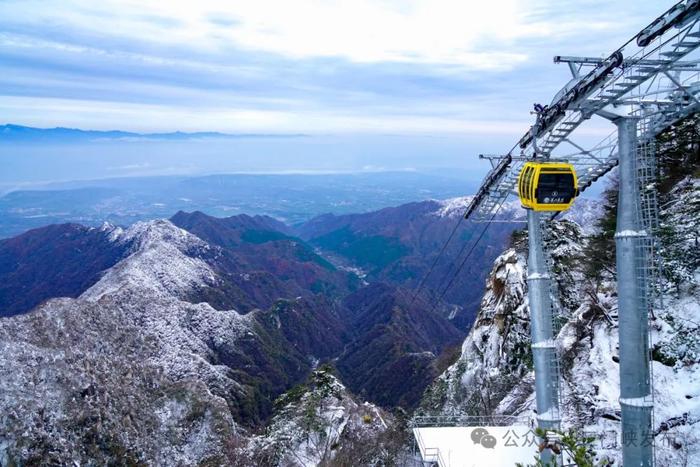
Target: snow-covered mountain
point(148, 364)
point(585, 212)
point(494, 373)
point(126, 371)
point(140, 367)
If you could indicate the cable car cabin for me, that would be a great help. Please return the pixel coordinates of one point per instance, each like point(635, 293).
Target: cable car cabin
point(547, 186)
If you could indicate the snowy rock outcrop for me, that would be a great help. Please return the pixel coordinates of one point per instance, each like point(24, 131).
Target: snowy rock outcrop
point(494, 374)
point(496, 351)
point(321, 423)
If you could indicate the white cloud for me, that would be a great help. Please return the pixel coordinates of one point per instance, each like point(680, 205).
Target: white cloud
point(481, 35)
point(464, 66)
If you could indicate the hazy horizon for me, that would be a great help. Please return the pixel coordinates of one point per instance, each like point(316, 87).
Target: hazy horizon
point(45, 162)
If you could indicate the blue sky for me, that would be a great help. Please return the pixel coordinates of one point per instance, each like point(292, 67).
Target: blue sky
point(462, 69)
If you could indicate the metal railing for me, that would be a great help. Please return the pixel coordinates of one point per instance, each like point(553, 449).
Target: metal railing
point(468, 420)
point(557, 318)
point(648, 277)
point(429, 454)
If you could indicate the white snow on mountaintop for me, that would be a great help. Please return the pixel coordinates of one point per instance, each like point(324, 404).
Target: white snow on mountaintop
point(456, 207)
point(676, 385)
point(453, 207)
point(584, 211)
point(131, 346)
point(151, 285)
point(158, 261)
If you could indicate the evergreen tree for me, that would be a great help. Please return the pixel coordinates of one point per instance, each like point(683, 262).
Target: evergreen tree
point(577, 448)
point(678, 156)
point(600, 249)
point(678, 152)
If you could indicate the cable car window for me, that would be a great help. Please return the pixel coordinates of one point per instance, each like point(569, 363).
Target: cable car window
point(531, 184)
point(527, 184)
point(554, 188)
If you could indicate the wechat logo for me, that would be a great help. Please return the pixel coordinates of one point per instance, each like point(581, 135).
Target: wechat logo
point(482, 436)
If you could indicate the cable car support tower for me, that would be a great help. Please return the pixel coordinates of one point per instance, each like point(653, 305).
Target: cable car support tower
point(649, 83)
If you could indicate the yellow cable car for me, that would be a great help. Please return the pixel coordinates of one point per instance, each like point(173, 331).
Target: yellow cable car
point(547, 186)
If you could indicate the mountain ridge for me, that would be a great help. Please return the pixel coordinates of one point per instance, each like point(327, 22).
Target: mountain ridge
point(153, 303)
point(13, 132)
